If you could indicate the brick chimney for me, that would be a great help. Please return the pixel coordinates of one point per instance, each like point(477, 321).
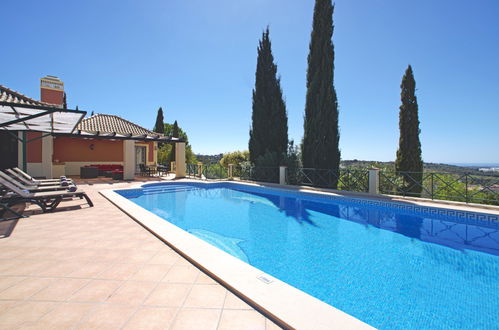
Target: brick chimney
point(52, 90)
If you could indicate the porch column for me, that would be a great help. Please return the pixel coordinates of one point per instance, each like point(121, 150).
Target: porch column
point(128, 159)
point(180, 160)
point(47, 151)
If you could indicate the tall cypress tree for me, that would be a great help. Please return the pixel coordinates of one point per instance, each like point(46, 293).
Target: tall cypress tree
point(159, 127)
point(409, 162)
point(269, 131)
point(321, 134)
point(64, 101)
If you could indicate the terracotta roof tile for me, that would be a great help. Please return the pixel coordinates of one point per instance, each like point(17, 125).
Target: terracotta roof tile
point(9, 95)
point(112, 124)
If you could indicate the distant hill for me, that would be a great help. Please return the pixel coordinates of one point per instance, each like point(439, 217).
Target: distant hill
point(432, 167)
point(209, 159)
point(363, 164)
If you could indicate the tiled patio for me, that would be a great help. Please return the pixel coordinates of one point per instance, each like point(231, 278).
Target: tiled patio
point(95, 268)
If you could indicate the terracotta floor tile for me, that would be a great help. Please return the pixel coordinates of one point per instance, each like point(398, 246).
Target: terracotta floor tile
point(168, 295)
point(26, 288)
point(233, 302)
point(119, 272)
point(241, 319)
point(181, 274)
point(63, 316)
point(206, 296)
point(106, 317)
point(60, 290)
point(8, 281)
point(165, 257)
point(101, 249)
point(90, 270)
point(6, 304)
point(151, 318)
point(132, 293)
point(139, 256)
point(151, 273)
point(197, 319)
point(24, 312)
point(96, 291)
point(204, 279)
point(28, 267)
point(59, 269)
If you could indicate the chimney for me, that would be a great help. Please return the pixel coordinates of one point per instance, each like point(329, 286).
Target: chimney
point(52, 90)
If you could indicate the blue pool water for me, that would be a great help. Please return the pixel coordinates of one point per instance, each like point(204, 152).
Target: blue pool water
point(389, 267)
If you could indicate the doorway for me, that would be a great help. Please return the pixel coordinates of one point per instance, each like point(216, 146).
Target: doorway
point(140, 157)
point(8, 150)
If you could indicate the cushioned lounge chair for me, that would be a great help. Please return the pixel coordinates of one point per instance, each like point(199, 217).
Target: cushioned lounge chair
point(33, 188)
point(28, 182)
point(47, 200)
point(35, 181)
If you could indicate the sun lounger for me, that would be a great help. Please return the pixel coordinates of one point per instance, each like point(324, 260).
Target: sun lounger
point(32, 188)
point(35, 181)
point(47, 201)
point(27, 182)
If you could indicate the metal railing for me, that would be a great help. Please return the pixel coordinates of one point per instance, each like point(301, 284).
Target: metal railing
point(258, 173)
point(469, 188)
point(344, 179)
point(209, 171)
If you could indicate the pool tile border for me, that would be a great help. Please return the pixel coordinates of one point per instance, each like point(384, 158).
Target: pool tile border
point(436, 209)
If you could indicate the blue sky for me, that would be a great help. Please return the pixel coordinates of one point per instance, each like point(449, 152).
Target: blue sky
point(197, 60)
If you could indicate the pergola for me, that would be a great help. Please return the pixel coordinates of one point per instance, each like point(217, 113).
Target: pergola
point(57, 121)
point(36, 118)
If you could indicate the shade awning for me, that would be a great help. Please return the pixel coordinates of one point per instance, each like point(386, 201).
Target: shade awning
point(27, 117)
point(117, 136)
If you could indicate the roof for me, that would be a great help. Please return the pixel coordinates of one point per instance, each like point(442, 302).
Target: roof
point(112, 124)
point(11, 96)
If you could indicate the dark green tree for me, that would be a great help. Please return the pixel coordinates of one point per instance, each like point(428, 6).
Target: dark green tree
point(64, 102)
point(166, 152)
point(269, 129)
point(320, 147)
point(159, 127)
point(175, 133)
point(409, 162)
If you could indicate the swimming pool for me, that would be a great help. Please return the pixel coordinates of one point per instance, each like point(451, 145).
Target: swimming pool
point(389, 265)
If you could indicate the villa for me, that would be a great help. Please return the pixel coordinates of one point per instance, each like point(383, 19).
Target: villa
point(100, 139)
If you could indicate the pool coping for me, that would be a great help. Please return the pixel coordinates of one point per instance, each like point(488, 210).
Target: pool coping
point(284, 304)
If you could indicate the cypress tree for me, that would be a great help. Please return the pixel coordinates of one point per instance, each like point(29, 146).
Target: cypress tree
point(409, 162)
point(269, 131)
point(159, 127)
point(320, 147)
point(64, 102)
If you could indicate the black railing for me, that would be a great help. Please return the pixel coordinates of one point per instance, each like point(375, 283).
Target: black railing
point(344, 179)
point(469, 188)
point(257, 173)
point(210, 171)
